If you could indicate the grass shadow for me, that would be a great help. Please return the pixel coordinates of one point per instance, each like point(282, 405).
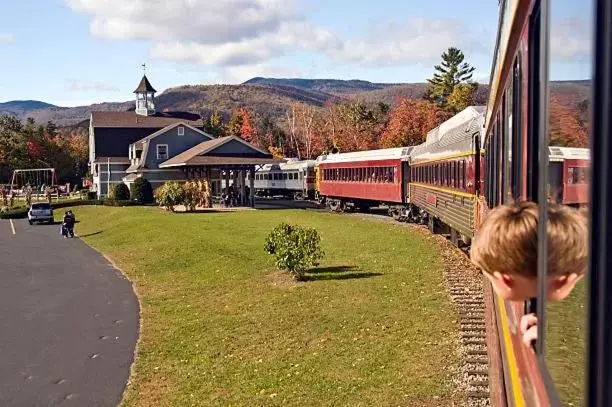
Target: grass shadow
point(330, 269)
point(90, 234)
point(336, 273)
point(347, 276)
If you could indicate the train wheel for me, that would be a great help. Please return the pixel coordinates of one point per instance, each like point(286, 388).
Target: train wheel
point(335, 205)
point(431, 225)
point(454, 237)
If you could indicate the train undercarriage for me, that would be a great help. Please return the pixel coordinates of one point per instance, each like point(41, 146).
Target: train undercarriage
point(409, 213)
point(285, 193)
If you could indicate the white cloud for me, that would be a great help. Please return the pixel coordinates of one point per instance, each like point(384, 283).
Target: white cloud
point(570, 40)
point(251, 33)
point(7, 38)
point(415, 40)
point(75, 85)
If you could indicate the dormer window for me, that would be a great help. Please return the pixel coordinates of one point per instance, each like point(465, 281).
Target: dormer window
point(162, 151)
point(181, 130)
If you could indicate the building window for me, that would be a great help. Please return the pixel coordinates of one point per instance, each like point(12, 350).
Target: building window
point(162, 151)
point(181, 131)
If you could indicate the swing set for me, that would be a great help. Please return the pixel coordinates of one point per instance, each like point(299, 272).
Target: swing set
point(35, 179)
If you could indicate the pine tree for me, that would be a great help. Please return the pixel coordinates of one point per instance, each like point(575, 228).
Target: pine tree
point(214, 125)
point(450, 73)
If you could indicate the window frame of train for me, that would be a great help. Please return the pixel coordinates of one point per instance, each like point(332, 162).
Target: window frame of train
point(599, 369)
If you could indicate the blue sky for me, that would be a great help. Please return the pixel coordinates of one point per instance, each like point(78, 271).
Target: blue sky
point(74, 52)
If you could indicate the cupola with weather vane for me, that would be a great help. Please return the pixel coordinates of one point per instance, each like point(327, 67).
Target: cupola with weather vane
point(145, 96)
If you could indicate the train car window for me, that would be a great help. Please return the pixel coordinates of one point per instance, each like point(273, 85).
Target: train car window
point(496, 170)
point(507, 193)
point(563, 324)
point(517, 129)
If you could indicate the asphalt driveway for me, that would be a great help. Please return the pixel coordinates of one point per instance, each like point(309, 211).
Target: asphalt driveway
point(68, 321)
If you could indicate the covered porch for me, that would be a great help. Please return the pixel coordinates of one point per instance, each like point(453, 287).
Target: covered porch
point(227, 163)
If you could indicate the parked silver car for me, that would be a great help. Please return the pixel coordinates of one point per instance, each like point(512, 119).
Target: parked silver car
point(40, 212)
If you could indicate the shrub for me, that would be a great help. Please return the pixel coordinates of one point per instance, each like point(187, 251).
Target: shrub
point(116, 202)
point(73, 203)
point(91, 195)
point(142, 192)
point(169, 195)
point(120, 192)
point(294, 248)
point(192, 196)
point(13, 213)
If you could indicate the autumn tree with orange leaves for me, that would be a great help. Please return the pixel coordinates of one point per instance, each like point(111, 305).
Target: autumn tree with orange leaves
point(247, 131)
point(28, 145)
point(566, 129)
point(410, 121)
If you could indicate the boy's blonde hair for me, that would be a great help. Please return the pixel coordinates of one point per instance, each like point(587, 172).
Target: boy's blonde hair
point(508, 240)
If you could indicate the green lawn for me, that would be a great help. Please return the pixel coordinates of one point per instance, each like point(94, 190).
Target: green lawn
point(220, 326)
point(566, 345)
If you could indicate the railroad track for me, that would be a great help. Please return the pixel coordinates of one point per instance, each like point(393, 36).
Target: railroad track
point(464, 284)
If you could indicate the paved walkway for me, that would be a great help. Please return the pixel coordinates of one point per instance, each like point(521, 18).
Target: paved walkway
point(68, 321)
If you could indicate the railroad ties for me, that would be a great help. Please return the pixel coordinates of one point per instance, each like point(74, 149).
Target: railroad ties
point(466, 291)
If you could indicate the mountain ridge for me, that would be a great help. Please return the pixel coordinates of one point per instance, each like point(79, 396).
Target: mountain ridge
point(266, 96)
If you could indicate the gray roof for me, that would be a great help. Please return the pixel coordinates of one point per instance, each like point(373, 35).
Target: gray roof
point(144, 86)
point(197, 155)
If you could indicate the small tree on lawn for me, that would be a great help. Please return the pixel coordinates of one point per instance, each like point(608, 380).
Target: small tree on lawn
point(169, 195)
point(142, 192)
point(121, 192)
point(294, 248)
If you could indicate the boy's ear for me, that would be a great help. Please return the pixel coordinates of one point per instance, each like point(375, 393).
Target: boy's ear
point(502, 282)
point(561, 286)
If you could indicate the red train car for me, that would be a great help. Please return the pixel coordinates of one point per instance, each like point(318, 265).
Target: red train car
point(363, 179)
point(568, 175)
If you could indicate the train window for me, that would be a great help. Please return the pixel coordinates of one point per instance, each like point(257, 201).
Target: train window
point(562, 346)
point(507, 143)
point(517, 130)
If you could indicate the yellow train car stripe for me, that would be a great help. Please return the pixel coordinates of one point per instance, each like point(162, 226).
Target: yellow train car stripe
point(446, 190)
point(517, 391)
point(446, 157)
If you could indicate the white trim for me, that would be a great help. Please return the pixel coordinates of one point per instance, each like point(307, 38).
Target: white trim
point(167, 155)
point(181, 130)
point(111, 163)
point(148, 170)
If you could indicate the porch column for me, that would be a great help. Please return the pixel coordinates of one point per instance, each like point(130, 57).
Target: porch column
point(234, 183)
point(243, 199)
point(227, 177)
point(252, 187)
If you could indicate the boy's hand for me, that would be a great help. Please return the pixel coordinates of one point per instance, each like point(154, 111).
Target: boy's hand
point(529, 329)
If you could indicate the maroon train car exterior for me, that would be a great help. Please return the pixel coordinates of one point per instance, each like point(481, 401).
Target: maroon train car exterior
point(576, 182)
point(362, 179)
